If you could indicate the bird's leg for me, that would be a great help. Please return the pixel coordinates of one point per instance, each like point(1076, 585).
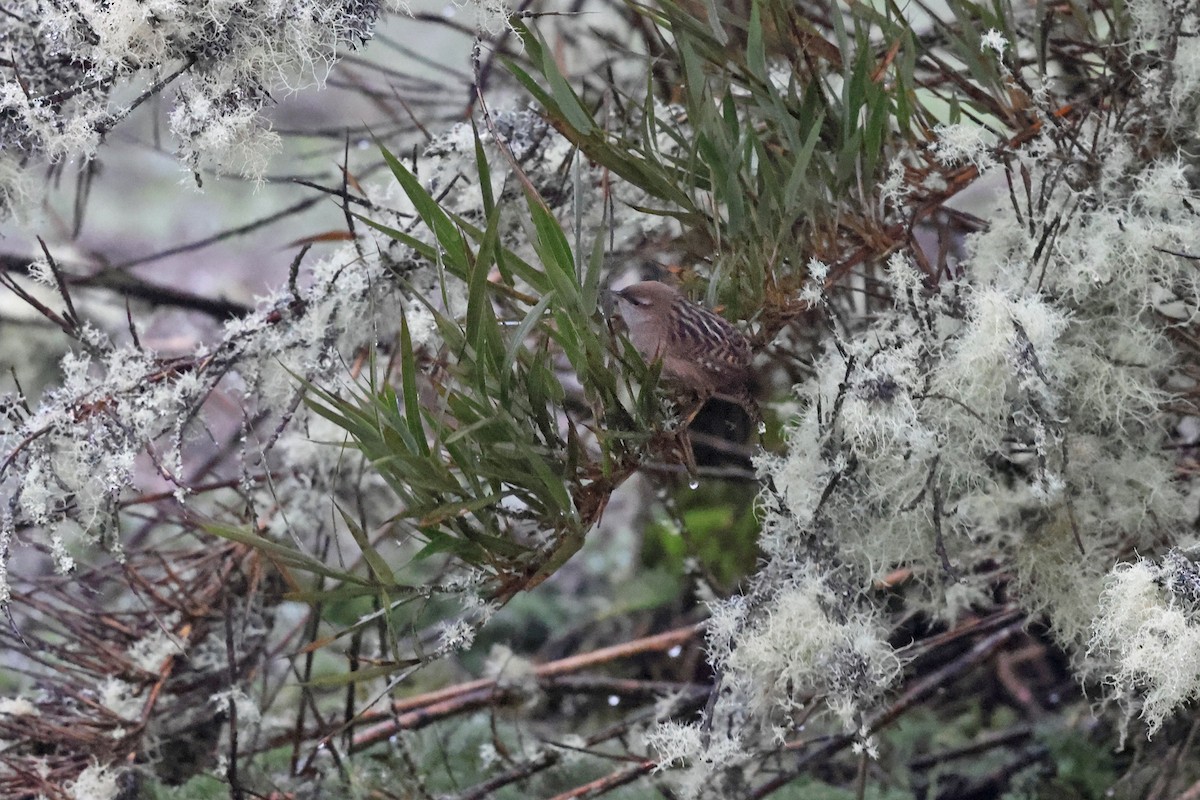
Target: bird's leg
point(685, 439)
point(691, 415)
point(688, 456)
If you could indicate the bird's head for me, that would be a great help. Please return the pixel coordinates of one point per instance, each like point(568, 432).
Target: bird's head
point(646, 302)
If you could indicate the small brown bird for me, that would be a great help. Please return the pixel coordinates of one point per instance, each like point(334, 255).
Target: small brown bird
point(699, 350)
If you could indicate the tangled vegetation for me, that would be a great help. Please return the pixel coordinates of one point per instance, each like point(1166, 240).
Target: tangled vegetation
point(449, 544)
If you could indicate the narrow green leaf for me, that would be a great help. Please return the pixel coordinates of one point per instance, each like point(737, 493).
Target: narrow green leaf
point(755, 51)
point(424, 248)
point(439, 223)
point(517, 338)
point(484, 171)
point(551, 244)
point(284, 554)
point(520, 267)
point(342, 594)
point(798, 179)
point(590, 297)
point(568, 102)
point(441, 542)
point(408, 381)
point(383, 573)
point(533, 87)
point(438, 515)
point(481, 319)
point(554, 485)
point(357, 676)
point(561, 101)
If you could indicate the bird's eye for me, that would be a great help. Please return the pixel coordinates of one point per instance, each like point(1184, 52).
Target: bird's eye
point(632, 300)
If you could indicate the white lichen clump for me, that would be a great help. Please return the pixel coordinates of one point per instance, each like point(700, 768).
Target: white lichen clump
point(86, 444)
point(96, 782)
point(1149, 627)
point(1012, 415)
point(78, 66)
point(781, 654)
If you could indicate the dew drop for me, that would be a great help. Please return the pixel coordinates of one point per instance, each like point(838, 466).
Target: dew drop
point(613, 700)
point(675, 651)
point(693, 483)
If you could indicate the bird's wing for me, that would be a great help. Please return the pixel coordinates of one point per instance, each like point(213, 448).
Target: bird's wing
point(701, 336)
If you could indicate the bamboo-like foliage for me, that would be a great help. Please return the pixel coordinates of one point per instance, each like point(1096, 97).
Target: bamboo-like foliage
point(781, 125)
point(776, 139)
point(488, 461)
point(791, 151)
